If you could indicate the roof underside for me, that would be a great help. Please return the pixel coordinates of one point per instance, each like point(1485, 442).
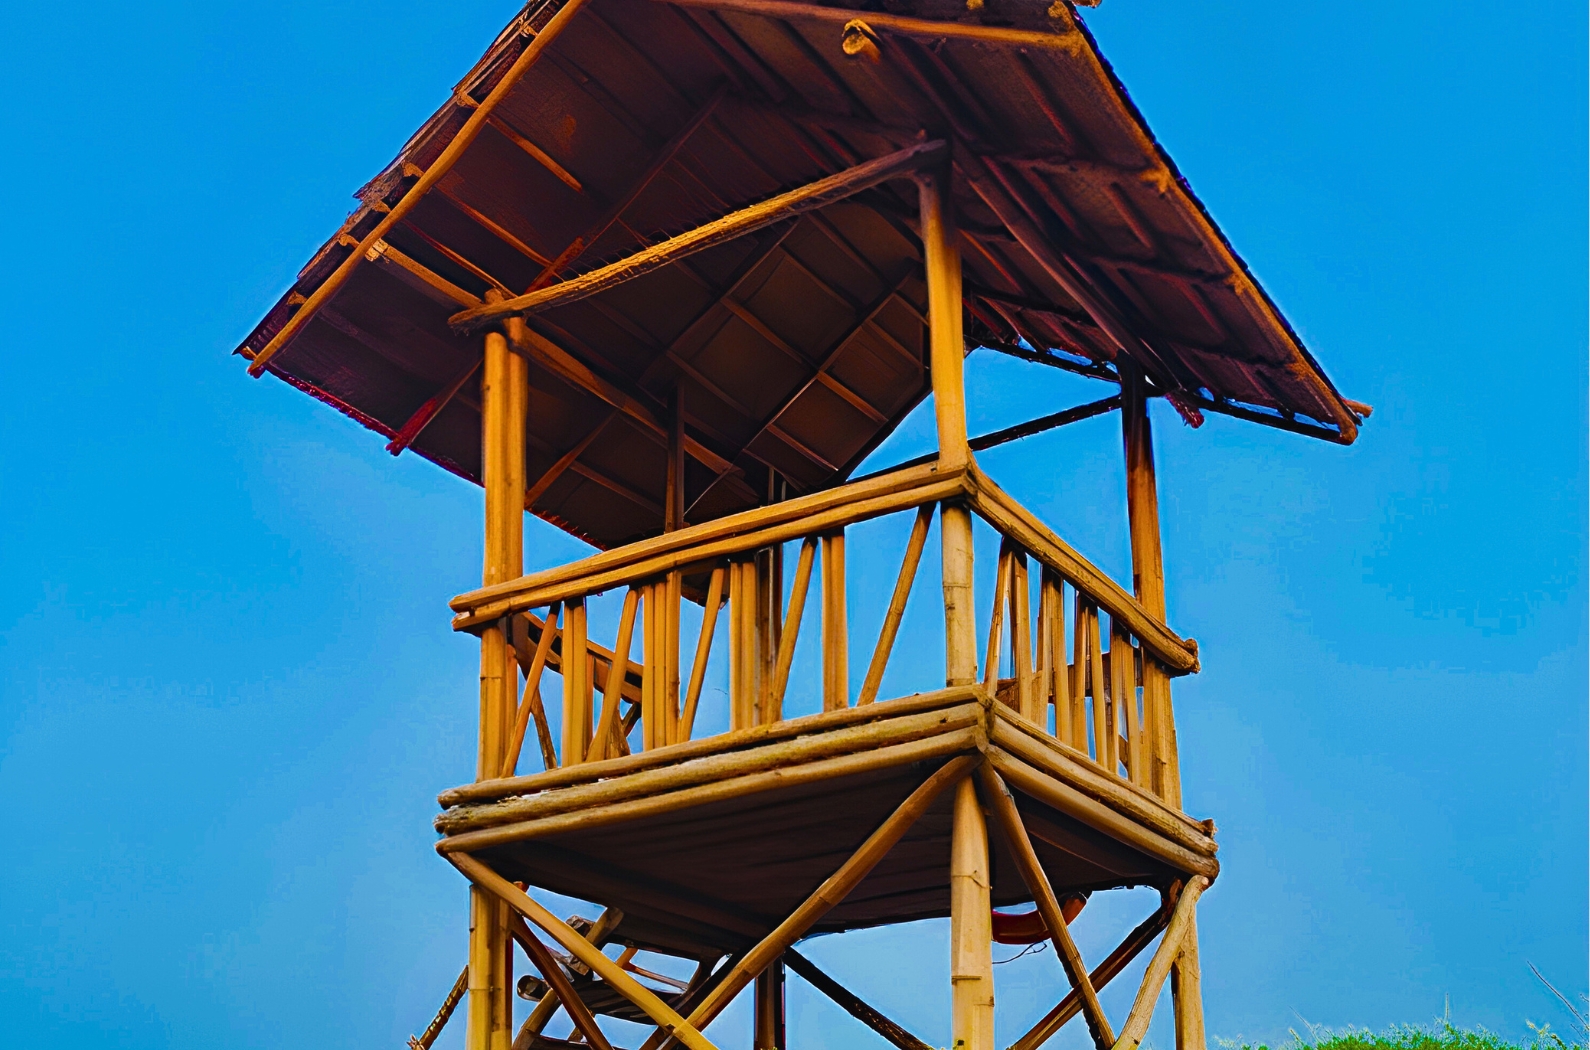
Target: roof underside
point(798, 348)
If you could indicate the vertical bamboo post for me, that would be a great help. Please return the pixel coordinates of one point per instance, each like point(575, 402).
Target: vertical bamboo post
point(1148, 578)
point(674, 503)
point(769, 628)
point(1059, 681)
point(770, 1007)
point(971, 927)
point(576, 691)
point(504, 398)
point(836, 626)
point(941, 263)
point(671, 591)
point(742, 643)
point(1021, 636)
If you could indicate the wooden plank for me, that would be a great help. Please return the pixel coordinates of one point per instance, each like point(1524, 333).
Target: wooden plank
point(736, 224)
point(432, 175)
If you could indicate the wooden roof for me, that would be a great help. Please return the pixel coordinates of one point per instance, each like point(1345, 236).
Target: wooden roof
point(797, 348)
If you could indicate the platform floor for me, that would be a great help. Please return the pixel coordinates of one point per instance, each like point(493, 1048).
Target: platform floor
point(708, 849)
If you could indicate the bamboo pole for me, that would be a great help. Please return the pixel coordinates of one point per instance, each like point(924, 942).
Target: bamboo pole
point(1077, 770)
point(937, 746)
point(698, 668)
point(833, 890)
point(558, 982)
point(723, 743)
point(1159, 966)
point(996, 621)
point(1186, 991)
point(851, 1003)
point(699, 544)
point(1059, 683)
point(714, 768)
point(836, 629)
point(1129, 948)
point(1079, 672)
point(672, 592)
point(1019, 524)
point(792, 620)
point(960, 623)
point(768, 1023)
point(433, 174)
point(576, 706)
point(941, 261)
point(821, 193)
point(449, 1004)
point(1062, 39)
point(583, 950)
point(597, 934)
point(769, 628)
point(1123, 654)
point(1103, 715)
point(608, 725)
point(892, 618)
point(1095, 814)
point(1021, 636)
point(1032, 874)
point(531, 704)
point(971, 935)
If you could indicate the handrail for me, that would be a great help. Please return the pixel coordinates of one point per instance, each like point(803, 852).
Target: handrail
point(735, 534)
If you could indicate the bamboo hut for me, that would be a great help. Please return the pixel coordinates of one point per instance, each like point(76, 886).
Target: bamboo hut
point(663, 273)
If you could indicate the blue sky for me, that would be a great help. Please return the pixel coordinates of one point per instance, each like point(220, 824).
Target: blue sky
point(228, 694)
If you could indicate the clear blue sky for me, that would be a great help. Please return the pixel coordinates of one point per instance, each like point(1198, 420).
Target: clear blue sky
point(228, 694)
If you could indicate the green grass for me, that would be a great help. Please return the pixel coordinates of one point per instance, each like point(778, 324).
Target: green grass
point(1438, 1036)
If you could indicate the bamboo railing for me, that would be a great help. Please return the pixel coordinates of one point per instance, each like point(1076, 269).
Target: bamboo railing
point(1067, 648)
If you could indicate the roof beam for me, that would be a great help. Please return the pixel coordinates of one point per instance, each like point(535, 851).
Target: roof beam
point(817, 194)
point(1066, 39)
point(433, 175)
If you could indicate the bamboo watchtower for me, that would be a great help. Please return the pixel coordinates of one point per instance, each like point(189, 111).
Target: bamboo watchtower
point(662, 273)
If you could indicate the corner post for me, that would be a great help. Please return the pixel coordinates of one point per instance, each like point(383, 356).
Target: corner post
point(504, 399)
point(1148, 578)
point(941, 262)
point(971, 927)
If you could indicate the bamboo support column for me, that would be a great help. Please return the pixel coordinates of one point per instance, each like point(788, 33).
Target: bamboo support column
point(504, 398)
point(1148, 578)
point(946, 355)
point(769, 1023)
point(971, 927)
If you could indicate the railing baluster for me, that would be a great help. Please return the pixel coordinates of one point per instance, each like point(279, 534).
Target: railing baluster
point(791, 626)
point(576, 694)
point(902, 592)
point(607, 729)
point(996, 621)
point(698, 670)
point(652, 675)
point(742, 643)
point(672, 592)
point(769, 627)
point(1123, 686)
point(531, 706)
point(1021, 636)
point(1055, 680)
point(836, 630)
point(1103, 724)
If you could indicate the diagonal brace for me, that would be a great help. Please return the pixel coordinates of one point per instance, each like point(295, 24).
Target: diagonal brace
point(587, 953)
point(1008, 817)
